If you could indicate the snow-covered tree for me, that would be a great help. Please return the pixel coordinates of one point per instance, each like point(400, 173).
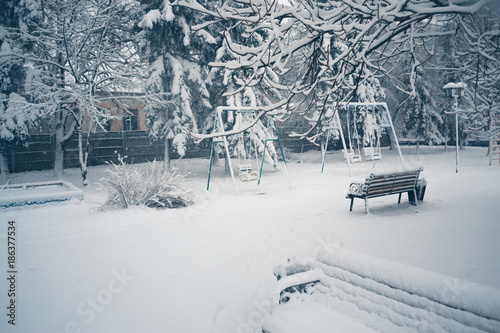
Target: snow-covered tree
point(76, 54)
point(250, 144)
point(178, 72)
point(361, 38)
point(259, 94)
point(476, 53)
point(179, 45)
point(423, 120)
point(16, 113)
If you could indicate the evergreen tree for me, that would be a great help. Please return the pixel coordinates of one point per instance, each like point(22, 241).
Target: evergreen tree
point(16, 114)
point(422, 119)
point(241, 92)
point(178, 72)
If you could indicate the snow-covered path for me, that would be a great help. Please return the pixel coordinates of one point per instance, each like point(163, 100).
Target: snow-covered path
point(209, 268)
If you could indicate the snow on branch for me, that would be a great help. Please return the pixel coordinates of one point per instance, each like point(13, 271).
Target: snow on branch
point(293, 35)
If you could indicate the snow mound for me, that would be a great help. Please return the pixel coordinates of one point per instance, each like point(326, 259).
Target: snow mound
point(382, 295)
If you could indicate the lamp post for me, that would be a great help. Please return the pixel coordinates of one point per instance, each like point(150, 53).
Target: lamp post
point(455, 90)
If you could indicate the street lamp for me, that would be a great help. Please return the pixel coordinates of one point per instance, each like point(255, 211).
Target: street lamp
point(455, 90)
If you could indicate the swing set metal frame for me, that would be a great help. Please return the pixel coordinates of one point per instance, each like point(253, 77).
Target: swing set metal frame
point(336, 126)
point(219, 127)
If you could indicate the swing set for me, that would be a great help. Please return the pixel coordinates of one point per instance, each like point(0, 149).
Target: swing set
point(244, 117)
point(371, 152)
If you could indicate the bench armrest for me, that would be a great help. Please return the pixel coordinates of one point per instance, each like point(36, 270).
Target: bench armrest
point(357, 190)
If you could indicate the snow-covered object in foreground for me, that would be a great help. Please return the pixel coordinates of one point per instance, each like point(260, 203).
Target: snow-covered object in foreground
point(382, 295)
point(38, 193)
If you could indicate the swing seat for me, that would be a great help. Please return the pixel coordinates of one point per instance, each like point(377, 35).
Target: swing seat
point(372, 154)
point(353, 158)
point(246, 174)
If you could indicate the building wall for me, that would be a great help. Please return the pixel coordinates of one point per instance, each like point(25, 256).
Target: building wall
point(119, 108)
point(124, 110)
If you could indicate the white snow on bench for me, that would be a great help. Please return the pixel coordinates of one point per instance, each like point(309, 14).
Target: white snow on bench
point(27, 194)
point(382, 295)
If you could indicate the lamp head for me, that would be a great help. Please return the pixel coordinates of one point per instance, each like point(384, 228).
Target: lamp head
point(455, 89)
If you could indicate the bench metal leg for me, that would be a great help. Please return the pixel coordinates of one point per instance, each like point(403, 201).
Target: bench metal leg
point(352, 201)
point(366, 206)
point(412, 197)
point(399, 200)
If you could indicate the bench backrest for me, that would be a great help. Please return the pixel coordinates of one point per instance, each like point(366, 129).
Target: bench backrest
point(400, 182)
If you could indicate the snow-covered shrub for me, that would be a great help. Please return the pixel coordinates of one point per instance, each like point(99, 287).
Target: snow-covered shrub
point(289, 155)
point(130, 186)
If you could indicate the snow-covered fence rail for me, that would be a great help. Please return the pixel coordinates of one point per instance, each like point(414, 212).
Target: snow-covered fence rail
point(383, 295)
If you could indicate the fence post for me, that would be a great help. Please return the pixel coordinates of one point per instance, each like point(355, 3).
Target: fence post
point(12, 159)
point(124, 144)
point(53, 149)
point(157, 150)
point(89, 148)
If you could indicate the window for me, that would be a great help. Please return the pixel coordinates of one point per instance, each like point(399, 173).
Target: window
point(130, 120)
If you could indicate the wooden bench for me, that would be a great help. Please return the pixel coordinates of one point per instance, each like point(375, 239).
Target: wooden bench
point(384, 295)
point(378, 185)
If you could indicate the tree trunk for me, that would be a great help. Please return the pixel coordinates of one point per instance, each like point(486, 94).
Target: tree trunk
point(463, 136)
point(392, 140)
point(167, 154)
point(226, 165)
point(4, 166)
point(216, 159)
point(61, 138)
point(59, 152)
point(82, 157)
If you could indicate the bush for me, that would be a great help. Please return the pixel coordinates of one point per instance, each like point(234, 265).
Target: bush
point(129, 186)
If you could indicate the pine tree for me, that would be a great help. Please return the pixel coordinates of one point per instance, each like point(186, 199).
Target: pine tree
point(423, 120)
point(17, 116)
point(241, 93)
point(178, 72)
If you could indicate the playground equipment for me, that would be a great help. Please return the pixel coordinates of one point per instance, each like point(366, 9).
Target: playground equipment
point(371, 152)
point(245, 171)
point(348, 155)
point(354, 157)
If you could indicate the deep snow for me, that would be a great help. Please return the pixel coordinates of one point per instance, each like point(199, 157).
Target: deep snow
point(209, 267)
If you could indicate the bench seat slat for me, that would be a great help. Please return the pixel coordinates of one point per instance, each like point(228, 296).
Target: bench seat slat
point(398, 187)
point(395, 183)
point(389, 189)
point(388, 184)
point(387, 193)
point(381, 180)
point(390, 180)
point(392, 186)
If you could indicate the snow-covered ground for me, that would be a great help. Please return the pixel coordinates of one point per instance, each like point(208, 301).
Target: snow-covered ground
point(209, 267)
